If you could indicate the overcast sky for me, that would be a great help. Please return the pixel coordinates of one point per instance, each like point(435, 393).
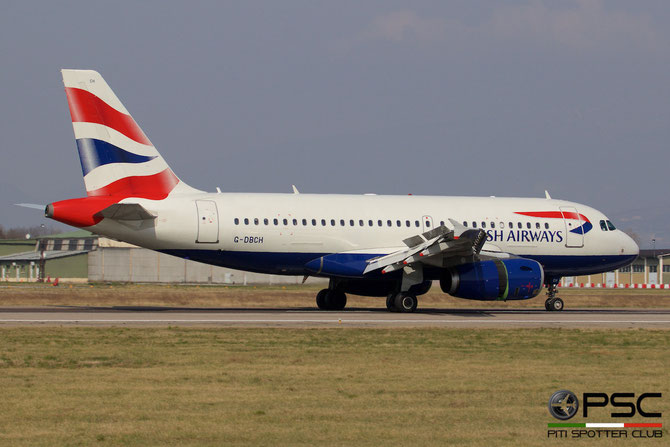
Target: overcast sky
point(424, 97)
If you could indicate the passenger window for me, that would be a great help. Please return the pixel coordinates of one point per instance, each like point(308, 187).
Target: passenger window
point(351, 222)
point(611, 226)
point(237, 221)
point(603, 225)
point(518, 224)
point(285, 221)
point(483, 224)
point(537, 225)
point(275, 221)
point(370, 222)
point(407, 224)
point(256, 221)
point(323, 222)
point(342, 222)
point(474, 224)
point(304, 222)
point(397, 223)
point(389, 223)
point(417, 224)
point(502, 225)
point(379, 223)
point(265, 221)
point(332, 222)
point(510, 224)
point(527, 224)
point(314, 222)
point(246, 221)
point(465, 224)
point(427, 224)
point(295, 221)
point(546, 225)
point(441, 223)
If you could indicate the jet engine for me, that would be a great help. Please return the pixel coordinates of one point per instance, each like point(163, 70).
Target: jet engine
point(506, 279)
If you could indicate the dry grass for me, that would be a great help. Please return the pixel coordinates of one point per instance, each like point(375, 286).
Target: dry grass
point(191, 386)
point(288, 296)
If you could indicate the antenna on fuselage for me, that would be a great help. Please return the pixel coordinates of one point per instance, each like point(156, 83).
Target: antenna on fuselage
point(546, 195)
point(295, 190)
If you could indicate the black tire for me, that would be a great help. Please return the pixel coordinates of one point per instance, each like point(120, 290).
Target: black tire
point(321, 301)
point(405, 302)
point(547, 304)
point(557, 304)
point(390, 303)
point(336, 300)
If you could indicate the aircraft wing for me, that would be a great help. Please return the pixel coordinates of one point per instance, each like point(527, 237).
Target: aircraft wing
point(438, 247)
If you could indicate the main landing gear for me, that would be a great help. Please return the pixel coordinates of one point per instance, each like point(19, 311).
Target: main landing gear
point(404, 302)
point(328, 299)
point(553, 303)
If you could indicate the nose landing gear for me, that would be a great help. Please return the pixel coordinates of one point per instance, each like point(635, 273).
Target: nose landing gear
point(553, 303)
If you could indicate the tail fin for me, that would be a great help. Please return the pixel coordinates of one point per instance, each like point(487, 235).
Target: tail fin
point(117, 158)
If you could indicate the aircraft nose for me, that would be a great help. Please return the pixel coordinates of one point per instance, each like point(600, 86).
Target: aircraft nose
point(628, 245)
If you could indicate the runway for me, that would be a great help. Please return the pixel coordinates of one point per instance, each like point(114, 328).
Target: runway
point(310, 317)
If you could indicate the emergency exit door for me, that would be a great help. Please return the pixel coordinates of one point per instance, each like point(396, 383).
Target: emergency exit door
point(208, 222)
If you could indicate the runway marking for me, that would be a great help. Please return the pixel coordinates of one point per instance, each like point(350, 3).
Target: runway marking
point(338, 321)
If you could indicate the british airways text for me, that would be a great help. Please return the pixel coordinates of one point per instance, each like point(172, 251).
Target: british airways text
point(524, 236)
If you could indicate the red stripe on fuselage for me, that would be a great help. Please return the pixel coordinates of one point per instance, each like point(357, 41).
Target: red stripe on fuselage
point(85, 107)
point(154, 187)
point(554, 215)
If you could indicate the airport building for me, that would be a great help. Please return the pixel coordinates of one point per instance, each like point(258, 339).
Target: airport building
point(81, 256)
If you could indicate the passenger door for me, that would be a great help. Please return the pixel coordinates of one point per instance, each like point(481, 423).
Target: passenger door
point(208, 222)
point(573, 221)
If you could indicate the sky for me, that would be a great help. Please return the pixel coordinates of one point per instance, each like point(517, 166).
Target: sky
point(423, 97)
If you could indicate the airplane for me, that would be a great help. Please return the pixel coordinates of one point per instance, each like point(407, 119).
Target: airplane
point(478, 248)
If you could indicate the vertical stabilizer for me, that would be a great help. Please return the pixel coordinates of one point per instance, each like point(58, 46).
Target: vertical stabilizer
point(117, 158)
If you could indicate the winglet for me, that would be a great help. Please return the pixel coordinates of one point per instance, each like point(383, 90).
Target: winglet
point(295, 190)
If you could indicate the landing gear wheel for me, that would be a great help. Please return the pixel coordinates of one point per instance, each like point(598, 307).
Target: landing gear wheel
point(557, 304)
point(321, 299)
point(553, 303)
point(390, 303)
point(336, 300)
point(405, 302)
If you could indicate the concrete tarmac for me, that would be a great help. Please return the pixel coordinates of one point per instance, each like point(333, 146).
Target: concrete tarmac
point(311, 317)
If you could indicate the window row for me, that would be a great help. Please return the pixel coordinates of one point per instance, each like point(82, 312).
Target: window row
point(371, 223)
point(331, 222)
point(501, 225)
point(640, 269)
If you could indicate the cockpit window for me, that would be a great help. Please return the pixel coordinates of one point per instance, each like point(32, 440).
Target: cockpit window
point(603, 225)
point(611, 226)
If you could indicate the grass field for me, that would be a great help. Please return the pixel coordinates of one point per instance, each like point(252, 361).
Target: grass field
point(194, 386)
point(12, 294)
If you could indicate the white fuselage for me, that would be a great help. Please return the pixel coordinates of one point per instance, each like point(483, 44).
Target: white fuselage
point(279, 233)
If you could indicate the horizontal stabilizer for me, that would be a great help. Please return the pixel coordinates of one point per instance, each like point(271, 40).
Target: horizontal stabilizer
point(126, 211)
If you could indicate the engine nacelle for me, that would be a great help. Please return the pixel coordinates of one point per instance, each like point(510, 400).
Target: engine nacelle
point(507, 279)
